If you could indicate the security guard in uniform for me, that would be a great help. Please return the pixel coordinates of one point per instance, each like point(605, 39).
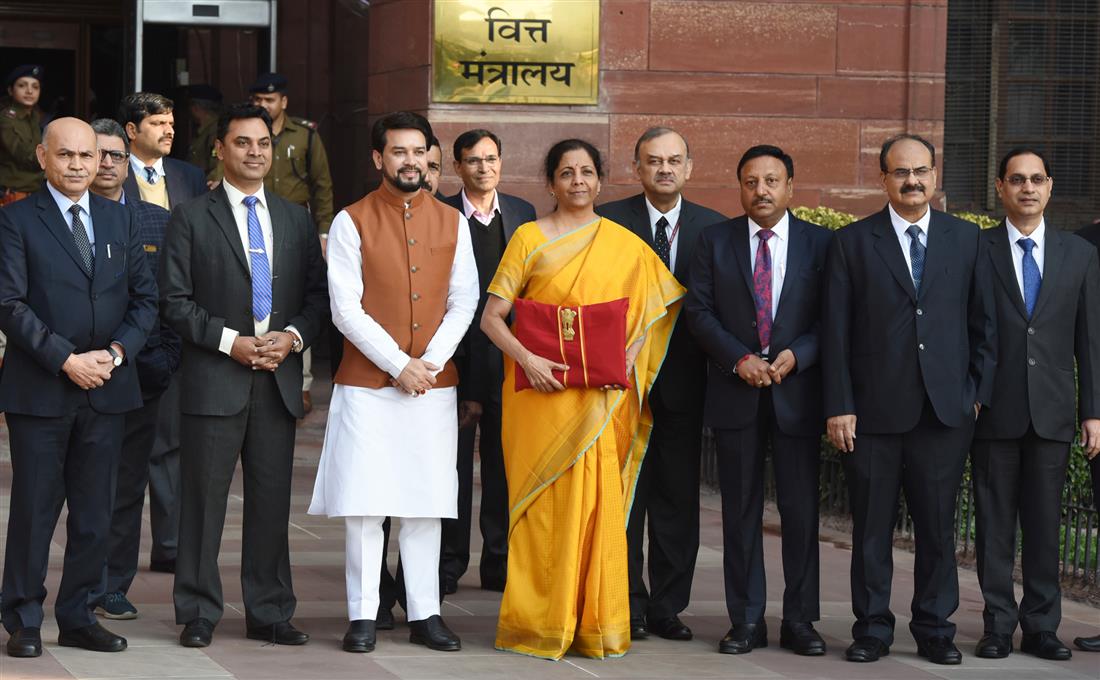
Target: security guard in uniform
point(20, 134)
point(206, 105)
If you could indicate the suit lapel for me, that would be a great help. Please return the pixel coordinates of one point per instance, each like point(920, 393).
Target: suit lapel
point(1054, 253)
point(640, 224)
point(507, 220)
point(941, 240)
point(103, 236)
point(685, 236)
point(130, 187)
point(177, 191)
point(55, 223)
point(740, 245)
point(279, 225)
point(223, 216)
point(1001, 253)
point(796, 261)
point(886, 245)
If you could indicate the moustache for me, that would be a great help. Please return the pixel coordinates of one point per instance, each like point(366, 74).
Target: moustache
point(908, 188)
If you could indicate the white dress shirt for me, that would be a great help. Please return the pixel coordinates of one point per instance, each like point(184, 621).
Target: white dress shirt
point(240, 216)
point(1039, 237)
point(64, 203)
point(671, 232)
point(777, 247)
point(345, 285)
point(469, 210)
point(138, 167)
point(901, 226)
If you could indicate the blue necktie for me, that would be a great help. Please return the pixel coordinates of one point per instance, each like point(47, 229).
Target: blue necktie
point(1033, 280)
point(150, 174)
point(261, 271)
point(916, 255)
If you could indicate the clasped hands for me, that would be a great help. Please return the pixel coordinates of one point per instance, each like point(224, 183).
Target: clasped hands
point(757, 372)
point(540, 373)
point(416, 378)
point(264, 352)
point(89, 370)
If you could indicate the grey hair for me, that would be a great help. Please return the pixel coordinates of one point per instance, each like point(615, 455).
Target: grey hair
point(654, 133)
point(110, 128)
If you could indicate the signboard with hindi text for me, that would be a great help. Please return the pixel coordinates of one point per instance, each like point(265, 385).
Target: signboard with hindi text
point(516, 51)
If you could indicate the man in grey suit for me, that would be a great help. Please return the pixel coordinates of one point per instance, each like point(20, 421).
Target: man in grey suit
point(243, 282)
point(154, 177)
point(1046, 289)
point(668, 487)
point(493, 218)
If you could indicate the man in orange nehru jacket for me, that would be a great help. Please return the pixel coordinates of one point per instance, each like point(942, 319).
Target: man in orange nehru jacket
point(403, 284)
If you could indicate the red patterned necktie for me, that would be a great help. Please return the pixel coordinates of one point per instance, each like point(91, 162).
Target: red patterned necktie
point(762, 288)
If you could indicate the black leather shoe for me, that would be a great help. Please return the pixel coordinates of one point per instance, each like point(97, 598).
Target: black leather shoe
point(993, 646)
point(25, 643)
point(360, 636)
point(450, 585)
point(940, 649)
point(495, 585)
point(638, 630)
point(1045, 645)
point(434, 634)
point(94, 638)
point(866, 649)
point(282, 633)
point(384, 619)
point(742, 638)
point(197, 633)
point(801, 638)
point(671, 628)
point(163, 566)
point(1088, 644)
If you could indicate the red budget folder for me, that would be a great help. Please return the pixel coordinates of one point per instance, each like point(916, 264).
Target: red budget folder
point(590, 339)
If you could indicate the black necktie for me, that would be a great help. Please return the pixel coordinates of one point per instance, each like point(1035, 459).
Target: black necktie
point(80, 238)
point(660, 242)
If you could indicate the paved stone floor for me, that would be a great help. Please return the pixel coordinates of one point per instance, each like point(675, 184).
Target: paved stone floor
point(317, 554)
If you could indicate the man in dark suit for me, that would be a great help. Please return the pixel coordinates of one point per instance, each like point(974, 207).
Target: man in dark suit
point(243, 282)
point(755, 308)
point(150, 445)
point(668, 486)
point(76, 300)
point(154, 177)
point(1091, 233)
point(1047, 294)
point(493, 216)
point(907, 358)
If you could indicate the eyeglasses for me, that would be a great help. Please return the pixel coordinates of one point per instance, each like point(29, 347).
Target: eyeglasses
point(902, 174)
point(115, 156)
point(474, 161)
point(1020, 180)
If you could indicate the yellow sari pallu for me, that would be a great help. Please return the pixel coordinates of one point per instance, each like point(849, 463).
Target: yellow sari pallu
point(572, 457)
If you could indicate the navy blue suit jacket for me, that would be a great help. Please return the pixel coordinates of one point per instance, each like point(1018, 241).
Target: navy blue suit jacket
point(185, 181)
point(479, 362)
point(50, 307)
point(160, 357)
point(722, 315)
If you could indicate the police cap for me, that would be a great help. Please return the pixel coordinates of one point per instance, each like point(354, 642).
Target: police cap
point(267, 83)
point(33, 70)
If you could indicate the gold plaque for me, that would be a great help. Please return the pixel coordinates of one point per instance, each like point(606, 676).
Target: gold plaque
point(567, 317)
point(516, 51)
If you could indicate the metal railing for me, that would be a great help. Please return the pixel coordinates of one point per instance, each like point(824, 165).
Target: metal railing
point(1080, 526)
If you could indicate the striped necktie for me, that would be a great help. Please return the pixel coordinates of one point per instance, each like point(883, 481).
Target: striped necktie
point(916, 255)
point(261, 268)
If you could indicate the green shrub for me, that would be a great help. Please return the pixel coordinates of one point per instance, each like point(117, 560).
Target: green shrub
point(835, 219)
point(983, 221)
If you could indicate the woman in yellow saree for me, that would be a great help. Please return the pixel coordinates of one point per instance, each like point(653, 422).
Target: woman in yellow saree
point(572, 455)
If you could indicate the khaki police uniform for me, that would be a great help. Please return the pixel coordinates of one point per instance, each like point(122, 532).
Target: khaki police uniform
point(20, 134)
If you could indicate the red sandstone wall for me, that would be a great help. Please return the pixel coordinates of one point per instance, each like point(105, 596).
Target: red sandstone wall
point(826, 80)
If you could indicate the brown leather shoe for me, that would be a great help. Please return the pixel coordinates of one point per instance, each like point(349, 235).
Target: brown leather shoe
point(307, 402)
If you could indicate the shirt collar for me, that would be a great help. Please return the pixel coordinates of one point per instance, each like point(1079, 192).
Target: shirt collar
point(236, 196)
point(64, 202)
point(781, 229)
point(1038, 236)
point(139, 166)
point(901, 226)
point(673, 215)
point(469, 210)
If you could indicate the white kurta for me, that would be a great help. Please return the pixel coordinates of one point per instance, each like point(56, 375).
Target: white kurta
point(387, 453)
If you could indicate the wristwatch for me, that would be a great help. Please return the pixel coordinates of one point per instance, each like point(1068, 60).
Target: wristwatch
point(296, 345)
point(116, 358)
